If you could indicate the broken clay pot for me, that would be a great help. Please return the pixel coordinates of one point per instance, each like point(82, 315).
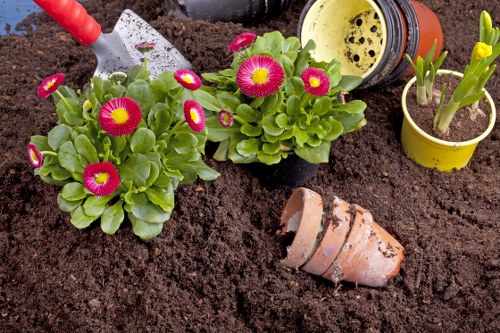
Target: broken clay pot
point(344, 244)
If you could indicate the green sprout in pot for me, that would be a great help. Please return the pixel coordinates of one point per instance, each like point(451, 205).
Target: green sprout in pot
point(122, 146)
point(470, 90)
point(275, 99)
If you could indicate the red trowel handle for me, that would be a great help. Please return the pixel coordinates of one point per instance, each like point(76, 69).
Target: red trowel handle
point(72, 17)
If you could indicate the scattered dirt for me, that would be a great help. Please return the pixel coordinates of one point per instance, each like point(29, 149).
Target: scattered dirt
point(215, 267)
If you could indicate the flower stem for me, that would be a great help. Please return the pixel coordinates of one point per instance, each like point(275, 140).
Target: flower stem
point(61, 96)
point(447, 116)
point(421, 95)
point(48, 152)
point(240, 120)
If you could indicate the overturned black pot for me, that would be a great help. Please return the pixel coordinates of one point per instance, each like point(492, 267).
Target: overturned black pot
point(291, 171)
point(233, 10)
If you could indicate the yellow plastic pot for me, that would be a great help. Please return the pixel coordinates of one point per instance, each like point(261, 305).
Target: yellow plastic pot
point(432, 152)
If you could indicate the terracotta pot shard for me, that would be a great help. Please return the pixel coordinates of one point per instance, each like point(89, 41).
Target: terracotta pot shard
point(352, 248)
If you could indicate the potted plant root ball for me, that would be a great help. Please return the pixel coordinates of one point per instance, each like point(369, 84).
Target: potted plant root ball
point(121, 147)
point(442, 129)
point(277, 107)
point(343, 243)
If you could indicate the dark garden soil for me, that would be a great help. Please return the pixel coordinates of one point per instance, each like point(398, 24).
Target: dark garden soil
point(215, 267)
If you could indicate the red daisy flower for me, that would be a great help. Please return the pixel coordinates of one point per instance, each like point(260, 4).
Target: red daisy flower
point(188, 79)
point(49, 85)
point(145, 47)
point(316, 82)
point(34, 156)
point(194, 114)
point(241, 41)
point(225, 118)
point(120, 116)
point(260, 76)
point(101, 178)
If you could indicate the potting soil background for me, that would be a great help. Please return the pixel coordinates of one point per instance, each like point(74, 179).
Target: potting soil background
point(215, 267)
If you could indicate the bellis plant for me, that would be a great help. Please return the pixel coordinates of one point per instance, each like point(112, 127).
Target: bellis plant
point(470, 90)
point(275, 99)
point(122, 146)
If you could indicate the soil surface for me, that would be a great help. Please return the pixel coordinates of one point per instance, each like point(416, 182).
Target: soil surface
point(215, 267)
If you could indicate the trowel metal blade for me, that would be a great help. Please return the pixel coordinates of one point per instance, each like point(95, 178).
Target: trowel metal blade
point(116, 51)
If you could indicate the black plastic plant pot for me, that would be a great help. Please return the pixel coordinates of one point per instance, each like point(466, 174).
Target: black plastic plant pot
point(291, 171)
point(231, 10)
point(370, 37)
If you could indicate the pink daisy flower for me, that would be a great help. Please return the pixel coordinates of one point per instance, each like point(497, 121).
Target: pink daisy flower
point(49, 85)
point(241, 41)
point(34, 156)
point(188, 79)
point(120, 116)
point(145, 47)
point(260, 76)
point(194, 114)
point(225, 118)
point(101, 178)
point(316, 82)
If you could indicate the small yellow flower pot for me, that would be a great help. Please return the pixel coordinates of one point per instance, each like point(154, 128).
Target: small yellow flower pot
point(431, 152)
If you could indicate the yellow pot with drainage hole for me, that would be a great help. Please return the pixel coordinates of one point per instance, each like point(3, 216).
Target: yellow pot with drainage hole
point(432, 152)
point(369, 37)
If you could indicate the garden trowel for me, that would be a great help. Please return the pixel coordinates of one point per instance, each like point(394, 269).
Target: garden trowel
point(116, 51)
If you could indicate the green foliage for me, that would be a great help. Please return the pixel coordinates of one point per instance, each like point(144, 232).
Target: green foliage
point(265, 129)
point(161, 154)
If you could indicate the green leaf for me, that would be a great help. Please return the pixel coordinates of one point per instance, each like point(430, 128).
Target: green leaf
point(160, 118)
point(59, 135)
point(136, 168)
point(228, 100)
point(293, 106)
point(247, 113)
point(67, 206)
point(322, 106)
point(315, 155)
point(207, 100)
point(350, 82)
point(141, 92)
point(162, 197)
point(248, 147)
point(142, 141)
point(269, 159)
point(95, 205)
point(85, 148)
point(184, 142)
point(41, 142)
point(271, 148)
point(155, 171)
point(270, 126)
point(81, 220)
point(112, 218)
point(144, 229)
point(69, 158)
point(73, 191)
point(70, 111)
point(147, 211)
point(251, 131)
point(217, 133)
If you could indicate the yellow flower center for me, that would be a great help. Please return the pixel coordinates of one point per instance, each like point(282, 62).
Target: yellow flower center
point(101, 178)
point(483, 50)
point(33, 156)
point(314, 82)
point(226, 117)
point(260, 76)
point(188, 79)
point(120, 116)
point(194, 115)
point(50, 84)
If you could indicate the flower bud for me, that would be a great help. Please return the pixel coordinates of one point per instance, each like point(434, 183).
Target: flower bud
point(486, 22)
point(482, 50)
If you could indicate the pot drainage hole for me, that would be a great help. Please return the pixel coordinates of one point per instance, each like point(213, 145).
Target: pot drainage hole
point(364, 40)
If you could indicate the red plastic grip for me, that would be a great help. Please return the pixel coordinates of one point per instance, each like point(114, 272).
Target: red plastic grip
point(74, 18)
